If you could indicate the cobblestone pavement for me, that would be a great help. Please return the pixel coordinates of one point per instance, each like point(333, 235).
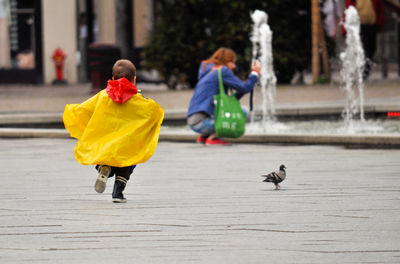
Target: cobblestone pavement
point(195, 204)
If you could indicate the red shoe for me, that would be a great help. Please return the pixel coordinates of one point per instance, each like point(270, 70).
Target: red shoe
point(201, 139)
point(216, 142)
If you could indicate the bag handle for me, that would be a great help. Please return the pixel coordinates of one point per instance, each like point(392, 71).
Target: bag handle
point(221, 85)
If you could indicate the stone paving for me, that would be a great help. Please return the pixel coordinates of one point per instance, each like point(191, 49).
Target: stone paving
point(30, 98)
point(195, 204)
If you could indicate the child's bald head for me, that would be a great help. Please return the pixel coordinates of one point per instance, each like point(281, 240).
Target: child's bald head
point(124, 68)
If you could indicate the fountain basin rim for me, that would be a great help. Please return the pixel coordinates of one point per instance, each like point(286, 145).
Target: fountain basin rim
point(180, 114)
point(378, 140)
point(368, 140)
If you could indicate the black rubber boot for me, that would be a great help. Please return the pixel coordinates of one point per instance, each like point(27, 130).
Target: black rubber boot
point(119, 187)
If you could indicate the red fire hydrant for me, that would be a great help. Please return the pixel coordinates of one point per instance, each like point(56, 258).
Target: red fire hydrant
point(58, 58)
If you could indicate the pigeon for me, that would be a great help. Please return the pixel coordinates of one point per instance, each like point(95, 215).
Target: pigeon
point(276, 177)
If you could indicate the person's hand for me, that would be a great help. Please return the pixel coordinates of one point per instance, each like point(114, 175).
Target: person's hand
point(256, 66)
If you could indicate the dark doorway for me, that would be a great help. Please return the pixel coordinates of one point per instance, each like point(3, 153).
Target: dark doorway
point(22, 41)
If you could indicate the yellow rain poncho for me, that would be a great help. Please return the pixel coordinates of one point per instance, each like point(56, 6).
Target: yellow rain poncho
point(116, 127)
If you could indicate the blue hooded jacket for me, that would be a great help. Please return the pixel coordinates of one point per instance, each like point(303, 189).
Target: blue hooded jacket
point(207, 86)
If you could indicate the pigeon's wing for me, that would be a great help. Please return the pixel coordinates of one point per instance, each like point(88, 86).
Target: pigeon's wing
point(282, 175)
point(273, 177)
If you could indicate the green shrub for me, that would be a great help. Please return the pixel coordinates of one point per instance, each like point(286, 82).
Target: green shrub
point(187, 32)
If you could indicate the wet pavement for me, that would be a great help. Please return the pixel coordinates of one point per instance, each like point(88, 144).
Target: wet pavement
point(195, 204)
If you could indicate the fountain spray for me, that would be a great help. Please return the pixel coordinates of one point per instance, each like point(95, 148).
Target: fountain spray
point(353, 62)
point(261, 38)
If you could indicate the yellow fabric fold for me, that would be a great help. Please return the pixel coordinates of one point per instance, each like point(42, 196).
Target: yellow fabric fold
point(114, 134)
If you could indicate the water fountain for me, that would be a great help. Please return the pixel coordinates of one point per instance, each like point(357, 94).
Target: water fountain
point(351, 73)
point(353, 61)
point(349, 130)
point(261, 38)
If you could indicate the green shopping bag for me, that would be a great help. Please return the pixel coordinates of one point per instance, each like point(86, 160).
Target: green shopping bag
point(229, 119)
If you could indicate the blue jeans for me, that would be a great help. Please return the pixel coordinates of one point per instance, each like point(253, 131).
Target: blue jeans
point(206, 126)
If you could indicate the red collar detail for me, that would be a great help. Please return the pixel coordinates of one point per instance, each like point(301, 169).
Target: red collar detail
point(120, 90)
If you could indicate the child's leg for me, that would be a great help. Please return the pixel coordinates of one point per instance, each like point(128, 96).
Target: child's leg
point(122, 176)
point(104, 173)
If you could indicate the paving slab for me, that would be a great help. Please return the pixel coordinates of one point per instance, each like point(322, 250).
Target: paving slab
point(289, 98)
point(195, 204)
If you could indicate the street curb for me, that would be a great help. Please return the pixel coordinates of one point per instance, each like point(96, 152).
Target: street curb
point(367, 140)
point(57, 117)
point(33, 133)
point(30, 118)
point(351, 140)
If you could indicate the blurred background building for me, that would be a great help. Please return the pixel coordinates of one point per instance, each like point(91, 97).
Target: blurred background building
point(90, 31)
point(31, 30)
